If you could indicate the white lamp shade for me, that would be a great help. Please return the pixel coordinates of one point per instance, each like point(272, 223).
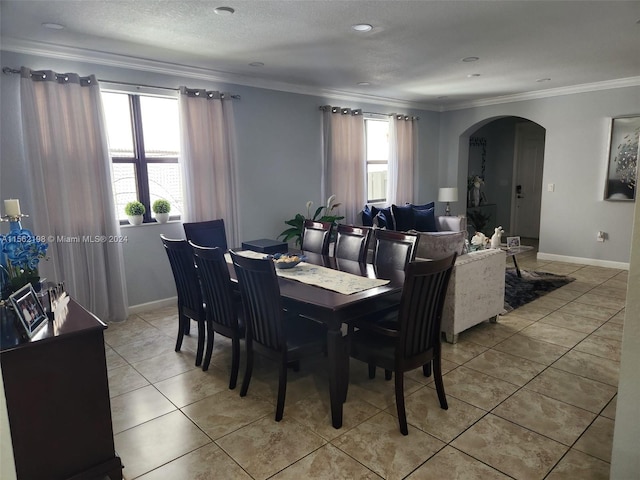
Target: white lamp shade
point(448, 194)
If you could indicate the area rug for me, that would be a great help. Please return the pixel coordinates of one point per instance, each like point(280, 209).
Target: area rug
point(532, 285)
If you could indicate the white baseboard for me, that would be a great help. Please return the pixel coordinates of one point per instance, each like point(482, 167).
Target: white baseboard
point(145, 307)
point(584, 261)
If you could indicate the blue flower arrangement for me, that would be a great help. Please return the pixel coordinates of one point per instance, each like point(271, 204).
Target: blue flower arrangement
point(20, 253)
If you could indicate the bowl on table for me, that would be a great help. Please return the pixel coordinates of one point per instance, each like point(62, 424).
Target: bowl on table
point(286, 260)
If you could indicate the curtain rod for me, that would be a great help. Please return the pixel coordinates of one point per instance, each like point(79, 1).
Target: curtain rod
point(8, 71)
point(361, 112)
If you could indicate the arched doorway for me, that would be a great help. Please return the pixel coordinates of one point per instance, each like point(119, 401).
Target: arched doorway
point(507, 153)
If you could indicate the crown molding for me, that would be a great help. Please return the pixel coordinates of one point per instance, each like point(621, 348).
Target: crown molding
point(75, 54)
point(551, 92)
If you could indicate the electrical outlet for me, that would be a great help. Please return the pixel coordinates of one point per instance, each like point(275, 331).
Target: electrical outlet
point(551, 187)
point(601, 236)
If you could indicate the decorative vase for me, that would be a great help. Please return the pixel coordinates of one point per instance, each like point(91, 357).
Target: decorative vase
point(162, 217)
point(135, 219)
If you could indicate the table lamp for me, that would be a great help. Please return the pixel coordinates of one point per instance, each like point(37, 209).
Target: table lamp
point(448, 194)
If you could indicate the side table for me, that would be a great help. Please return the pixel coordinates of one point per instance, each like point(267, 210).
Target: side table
point(513, 251)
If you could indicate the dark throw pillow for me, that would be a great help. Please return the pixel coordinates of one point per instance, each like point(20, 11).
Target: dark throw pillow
point(367, 216)
point(425, 220)
point(404, 217)
point(389, 224)
point(426, 206)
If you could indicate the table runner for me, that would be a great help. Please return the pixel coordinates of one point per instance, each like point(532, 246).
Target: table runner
point(323, 277)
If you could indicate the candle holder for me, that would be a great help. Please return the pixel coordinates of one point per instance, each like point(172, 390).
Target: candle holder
point(13, 218)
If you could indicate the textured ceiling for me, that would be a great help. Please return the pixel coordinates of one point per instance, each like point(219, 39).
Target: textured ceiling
point(413, 53)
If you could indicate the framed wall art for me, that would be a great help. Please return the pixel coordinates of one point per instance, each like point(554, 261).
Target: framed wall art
point(28, 309)
point(623, 159)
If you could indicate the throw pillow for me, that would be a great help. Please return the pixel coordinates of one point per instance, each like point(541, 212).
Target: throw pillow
point(389, 224)
point(367, 216)
point(403, 217)
point(382, 220)
point(426, 206)
point(425, 220)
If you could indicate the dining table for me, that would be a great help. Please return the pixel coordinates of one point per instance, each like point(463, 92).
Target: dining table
point(334, 309)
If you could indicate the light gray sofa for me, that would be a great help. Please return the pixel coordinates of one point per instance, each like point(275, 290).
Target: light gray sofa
point(476, 288)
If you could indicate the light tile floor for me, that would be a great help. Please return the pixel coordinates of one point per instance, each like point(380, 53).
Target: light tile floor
point(530, 397)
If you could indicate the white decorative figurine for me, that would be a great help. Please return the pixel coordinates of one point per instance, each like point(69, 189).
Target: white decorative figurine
point(496, 238)
point(479, 240)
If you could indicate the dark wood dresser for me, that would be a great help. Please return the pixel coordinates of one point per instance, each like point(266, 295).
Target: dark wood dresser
point(57, 398)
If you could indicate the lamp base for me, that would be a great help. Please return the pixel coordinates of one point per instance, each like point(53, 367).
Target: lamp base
point(447, 211)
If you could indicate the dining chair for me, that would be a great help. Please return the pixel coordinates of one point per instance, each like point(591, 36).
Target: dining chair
point(316, 236)
point(190, 304)
point(278, 334)
point(410, 339)
point(210, 233)
point(222, 306)
point(394, 250)
point(352, 243)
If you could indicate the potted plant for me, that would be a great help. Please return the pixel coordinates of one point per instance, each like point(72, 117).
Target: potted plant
point(135, 210)
point(161, 209)
point(322, 214)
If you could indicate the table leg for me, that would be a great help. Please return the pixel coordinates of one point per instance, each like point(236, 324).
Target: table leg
point(336, 354)
point(515, 264)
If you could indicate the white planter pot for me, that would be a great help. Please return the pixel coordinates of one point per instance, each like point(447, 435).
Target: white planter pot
point(162, 217)
point(135, 219)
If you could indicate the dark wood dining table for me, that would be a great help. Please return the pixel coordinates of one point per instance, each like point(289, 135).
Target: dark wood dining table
point(333, 309)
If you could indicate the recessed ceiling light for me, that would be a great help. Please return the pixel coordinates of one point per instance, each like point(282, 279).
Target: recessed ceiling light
point(364, 84)
point(470, 59)
point(473, 75)
point(256, 64)
point(362, 27)
point(541, 80)
point(223, 11)
point(53, 26)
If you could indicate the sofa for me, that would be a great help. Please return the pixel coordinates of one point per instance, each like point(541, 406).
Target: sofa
point(476, 288)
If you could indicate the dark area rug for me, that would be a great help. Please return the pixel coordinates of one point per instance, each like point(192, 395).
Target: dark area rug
point(519, 291)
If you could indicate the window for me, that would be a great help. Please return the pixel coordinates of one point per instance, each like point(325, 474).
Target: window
point(144, 144)
point(377, 135)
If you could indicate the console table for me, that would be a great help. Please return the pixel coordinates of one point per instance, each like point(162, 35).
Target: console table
point(57, 397)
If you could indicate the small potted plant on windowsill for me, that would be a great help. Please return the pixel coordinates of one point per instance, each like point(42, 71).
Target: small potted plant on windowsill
point(135, 210)
point(161, 209)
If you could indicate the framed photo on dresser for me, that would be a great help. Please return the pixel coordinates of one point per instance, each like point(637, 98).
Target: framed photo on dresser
point(28, 309)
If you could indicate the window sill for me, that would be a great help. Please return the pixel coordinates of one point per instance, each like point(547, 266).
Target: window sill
point(128, 225)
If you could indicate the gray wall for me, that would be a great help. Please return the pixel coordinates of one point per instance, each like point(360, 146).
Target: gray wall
point(576, 145)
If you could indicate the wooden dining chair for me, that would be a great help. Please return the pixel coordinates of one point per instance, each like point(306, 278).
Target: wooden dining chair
point(190, 304)
point(394, 250)
point(222, 305)
point(410, 339)
point(210, 233)
point(316, 236)
point(280, 335)
point(352, 243)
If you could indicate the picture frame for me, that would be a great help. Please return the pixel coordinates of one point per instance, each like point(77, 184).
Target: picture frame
point(513, 242)
point(622, 168)
point(28, 309)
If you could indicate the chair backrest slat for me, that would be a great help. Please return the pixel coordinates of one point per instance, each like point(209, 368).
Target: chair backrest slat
point(210, 233)
point(216, 286)
point(184, 272)
point(420, 314)
point(260, 294)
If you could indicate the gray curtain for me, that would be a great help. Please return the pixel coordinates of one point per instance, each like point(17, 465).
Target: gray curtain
point(69, 169)
point(208, 157)
point(344, 170)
